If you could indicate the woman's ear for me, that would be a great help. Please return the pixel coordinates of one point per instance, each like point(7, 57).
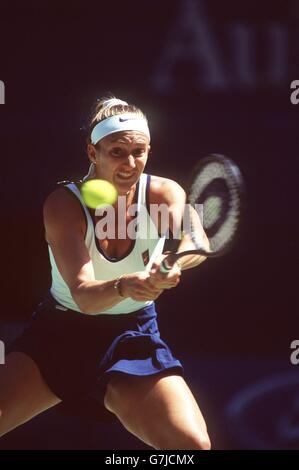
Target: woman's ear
point(91, 151)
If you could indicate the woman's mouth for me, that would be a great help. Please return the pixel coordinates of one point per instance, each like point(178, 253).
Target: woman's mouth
point(125, 175)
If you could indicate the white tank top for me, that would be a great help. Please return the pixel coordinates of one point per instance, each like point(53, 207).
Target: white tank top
point(145, 248)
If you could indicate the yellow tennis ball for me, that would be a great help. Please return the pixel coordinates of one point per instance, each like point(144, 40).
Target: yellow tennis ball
point(98, 193)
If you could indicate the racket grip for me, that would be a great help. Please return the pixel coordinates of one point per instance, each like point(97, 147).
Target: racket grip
point(164, 268)
point(167, 264)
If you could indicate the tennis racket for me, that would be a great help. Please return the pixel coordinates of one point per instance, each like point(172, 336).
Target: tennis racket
point(216, 191)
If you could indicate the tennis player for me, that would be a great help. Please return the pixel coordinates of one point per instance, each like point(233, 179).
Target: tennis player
point(96, 332)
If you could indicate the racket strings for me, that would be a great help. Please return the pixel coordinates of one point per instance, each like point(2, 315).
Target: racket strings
point(216, 189)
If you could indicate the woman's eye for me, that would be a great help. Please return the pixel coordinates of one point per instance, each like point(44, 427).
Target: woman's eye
point(138, 152)
point(116, 152)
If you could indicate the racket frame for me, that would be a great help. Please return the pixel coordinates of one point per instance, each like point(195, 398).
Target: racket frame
point(235, 174)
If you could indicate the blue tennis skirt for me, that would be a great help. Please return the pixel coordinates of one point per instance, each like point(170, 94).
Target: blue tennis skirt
point(77, 353)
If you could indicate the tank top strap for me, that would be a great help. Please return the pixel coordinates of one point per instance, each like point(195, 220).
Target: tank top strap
point(143, 184)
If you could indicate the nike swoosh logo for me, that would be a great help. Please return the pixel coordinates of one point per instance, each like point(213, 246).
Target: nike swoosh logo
point(127, 119)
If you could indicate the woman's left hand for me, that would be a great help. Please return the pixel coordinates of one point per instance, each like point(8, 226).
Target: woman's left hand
point(164, 280)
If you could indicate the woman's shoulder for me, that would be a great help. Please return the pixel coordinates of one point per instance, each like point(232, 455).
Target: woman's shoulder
point(62, 208)
point(61, 198)
point(165, 190)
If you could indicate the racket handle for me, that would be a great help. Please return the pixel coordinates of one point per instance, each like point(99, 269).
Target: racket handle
point(167, 263)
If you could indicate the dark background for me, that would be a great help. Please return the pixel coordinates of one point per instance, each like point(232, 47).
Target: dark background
point(56, 60)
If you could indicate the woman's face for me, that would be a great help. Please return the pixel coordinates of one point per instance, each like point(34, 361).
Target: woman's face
point(120, 158)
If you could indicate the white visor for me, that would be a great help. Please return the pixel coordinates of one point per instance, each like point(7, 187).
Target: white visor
point(118, 123)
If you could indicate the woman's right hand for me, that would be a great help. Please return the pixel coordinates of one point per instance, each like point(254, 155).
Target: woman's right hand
point(138, 286)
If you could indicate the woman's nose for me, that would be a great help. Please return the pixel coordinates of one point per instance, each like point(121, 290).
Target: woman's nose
point(131, 161)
